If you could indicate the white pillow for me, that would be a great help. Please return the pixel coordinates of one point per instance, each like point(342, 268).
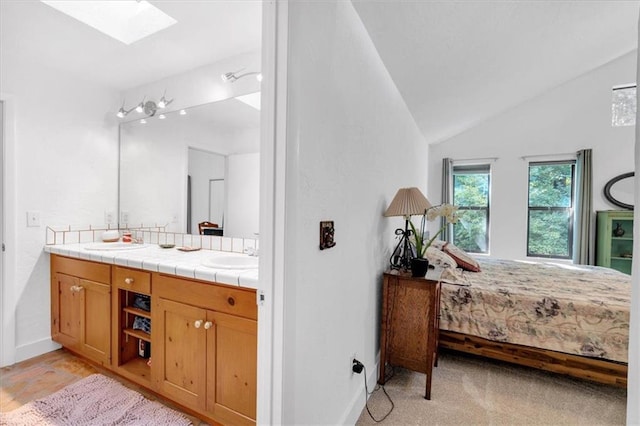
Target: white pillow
point(439, 244)
point(440, 258)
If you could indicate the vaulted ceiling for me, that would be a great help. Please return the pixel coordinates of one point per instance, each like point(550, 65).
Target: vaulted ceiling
point(458, 63)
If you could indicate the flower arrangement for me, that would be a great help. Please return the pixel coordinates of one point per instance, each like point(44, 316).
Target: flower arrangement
point(448, 211)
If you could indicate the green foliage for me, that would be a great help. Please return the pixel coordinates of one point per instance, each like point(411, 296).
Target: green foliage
point(550, 185)
point(469, 191)
point(550, 201)
point(470, 233)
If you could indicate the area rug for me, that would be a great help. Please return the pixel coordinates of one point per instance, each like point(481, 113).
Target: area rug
point(94, 400)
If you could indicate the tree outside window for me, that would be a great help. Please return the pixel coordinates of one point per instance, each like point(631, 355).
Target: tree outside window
point(550, 230)
point(471, 185)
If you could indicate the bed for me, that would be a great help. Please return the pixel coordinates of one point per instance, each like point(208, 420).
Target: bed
point(564, 318)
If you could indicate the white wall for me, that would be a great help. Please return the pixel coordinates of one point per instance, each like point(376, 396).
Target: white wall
point(633, 386)
point(351, 143)
point(200, 85)
point(573, 116)
point(243, 196)
point(203, 167)
point(63, 151)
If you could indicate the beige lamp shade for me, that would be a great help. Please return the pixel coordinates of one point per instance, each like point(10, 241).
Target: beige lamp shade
point(407, 202)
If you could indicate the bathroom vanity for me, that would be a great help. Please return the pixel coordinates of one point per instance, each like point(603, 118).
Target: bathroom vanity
point(191, 340)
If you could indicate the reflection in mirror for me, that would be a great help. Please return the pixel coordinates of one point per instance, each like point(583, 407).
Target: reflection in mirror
point(205, 168)
point(216, 142)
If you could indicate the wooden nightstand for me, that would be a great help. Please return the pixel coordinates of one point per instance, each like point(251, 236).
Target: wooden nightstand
point(410, 321)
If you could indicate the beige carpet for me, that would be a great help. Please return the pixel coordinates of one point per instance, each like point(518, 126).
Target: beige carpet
point(472, 391)
point(94, 400)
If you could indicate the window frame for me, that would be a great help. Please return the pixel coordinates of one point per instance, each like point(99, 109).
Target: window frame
point(571, 208)
point(478, 168)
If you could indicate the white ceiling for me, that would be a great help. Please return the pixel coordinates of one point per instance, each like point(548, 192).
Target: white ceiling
point(206, 31)
point(457, 63)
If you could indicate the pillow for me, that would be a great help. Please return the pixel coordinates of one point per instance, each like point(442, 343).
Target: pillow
point(440, 258)
point(439, 244)
point(463, 259)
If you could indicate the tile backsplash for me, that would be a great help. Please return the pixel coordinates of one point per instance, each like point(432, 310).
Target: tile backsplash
point(71, 234)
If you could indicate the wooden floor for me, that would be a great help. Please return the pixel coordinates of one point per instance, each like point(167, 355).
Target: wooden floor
point(40, 376)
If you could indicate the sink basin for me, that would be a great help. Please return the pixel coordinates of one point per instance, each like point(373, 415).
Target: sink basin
point(231, 262)
point(114, 246)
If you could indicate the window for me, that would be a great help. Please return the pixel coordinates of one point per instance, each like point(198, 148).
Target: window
point(471, 186)
point(623, 107)
point(550, 222)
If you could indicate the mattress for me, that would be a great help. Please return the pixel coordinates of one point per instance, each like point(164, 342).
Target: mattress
point(575, 309)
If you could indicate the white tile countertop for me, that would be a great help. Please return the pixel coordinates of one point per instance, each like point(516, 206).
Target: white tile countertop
point(151, 257)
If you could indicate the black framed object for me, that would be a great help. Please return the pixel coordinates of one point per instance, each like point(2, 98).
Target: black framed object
point(607, 191)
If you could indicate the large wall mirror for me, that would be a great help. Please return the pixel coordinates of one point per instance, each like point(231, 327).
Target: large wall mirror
point(194, 165)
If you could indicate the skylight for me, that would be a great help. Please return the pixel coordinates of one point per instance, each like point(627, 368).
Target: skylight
point(127, 21)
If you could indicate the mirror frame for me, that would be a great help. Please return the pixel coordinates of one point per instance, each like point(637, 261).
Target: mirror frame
point(607, 191)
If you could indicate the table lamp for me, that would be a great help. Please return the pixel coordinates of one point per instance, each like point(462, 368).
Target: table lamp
point(407, 202)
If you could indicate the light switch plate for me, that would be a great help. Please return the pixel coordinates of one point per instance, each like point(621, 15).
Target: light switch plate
point(33, 219)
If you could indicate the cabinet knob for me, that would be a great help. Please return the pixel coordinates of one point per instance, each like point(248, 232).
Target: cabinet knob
point(128, 280)
point(75, 288)
point(231, 301)
point(207, 325)
point(197, 323)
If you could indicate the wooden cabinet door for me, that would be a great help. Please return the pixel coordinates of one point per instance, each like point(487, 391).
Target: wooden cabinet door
point(67, 313)
point(232, 368)
point(179, 349)
point(95, 326)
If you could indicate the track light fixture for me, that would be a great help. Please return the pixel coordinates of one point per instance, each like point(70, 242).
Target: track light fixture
point(149, 108)
point(163, 102)
point(231, 77)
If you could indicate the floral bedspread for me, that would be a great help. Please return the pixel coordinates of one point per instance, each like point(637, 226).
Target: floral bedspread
point(581, 310)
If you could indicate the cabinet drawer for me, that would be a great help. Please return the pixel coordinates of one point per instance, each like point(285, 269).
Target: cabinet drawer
point(217, 297)
point(93, 271)
point(132, 279)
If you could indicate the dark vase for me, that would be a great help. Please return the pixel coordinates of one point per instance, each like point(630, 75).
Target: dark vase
point(618, 232)
point(419, 267)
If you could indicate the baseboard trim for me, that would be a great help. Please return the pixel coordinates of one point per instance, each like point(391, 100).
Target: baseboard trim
point(39, 347)
point(355, 407)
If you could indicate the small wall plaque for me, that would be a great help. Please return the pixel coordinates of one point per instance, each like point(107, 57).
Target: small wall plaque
point(327, 231)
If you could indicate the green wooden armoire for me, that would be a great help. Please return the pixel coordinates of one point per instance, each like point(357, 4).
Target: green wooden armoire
point(614, 246)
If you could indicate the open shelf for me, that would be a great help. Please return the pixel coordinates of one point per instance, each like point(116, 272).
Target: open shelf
point(138, 312)
point(128, 359)
point(613, 250)
point(137, 334)
point(138, 368)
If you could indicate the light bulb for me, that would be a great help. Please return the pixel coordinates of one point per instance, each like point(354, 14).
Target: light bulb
point(162, 116)
point(140, 107)
point(120, 113)
point(259, 77)
point(143, 121)
point(183, 112)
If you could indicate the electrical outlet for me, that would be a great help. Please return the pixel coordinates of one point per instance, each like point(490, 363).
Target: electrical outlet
point(124, 217)
point(109, 217)
point(33, 219)
point(353, 357)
